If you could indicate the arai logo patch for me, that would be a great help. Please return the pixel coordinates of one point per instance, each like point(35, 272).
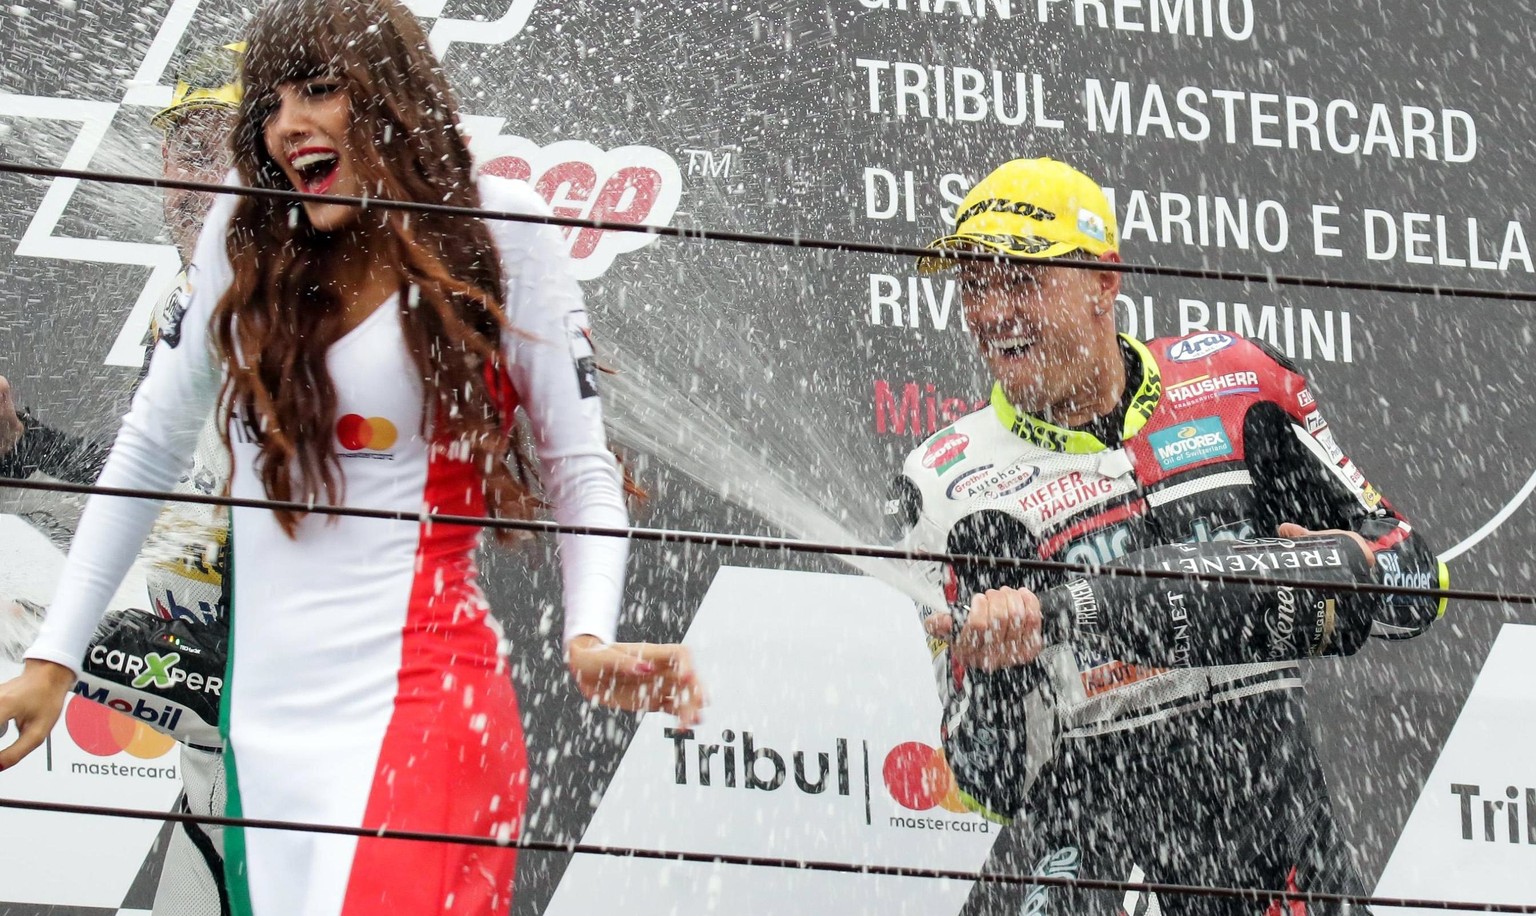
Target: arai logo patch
point(1200, 346)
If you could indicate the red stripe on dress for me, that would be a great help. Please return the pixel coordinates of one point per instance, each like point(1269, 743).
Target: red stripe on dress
point(453, 758)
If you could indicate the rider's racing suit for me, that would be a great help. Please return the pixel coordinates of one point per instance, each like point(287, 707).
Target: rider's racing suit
point(1160, 735)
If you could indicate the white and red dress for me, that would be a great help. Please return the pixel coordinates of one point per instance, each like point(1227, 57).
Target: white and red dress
point(366, 683)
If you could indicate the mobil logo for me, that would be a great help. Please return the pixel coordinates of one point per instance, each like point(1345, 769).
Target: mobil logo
point(918, 778)
point(1199, 346)
point(358, 433)
point(103, 731)
point(945, 450)
point(628, 184)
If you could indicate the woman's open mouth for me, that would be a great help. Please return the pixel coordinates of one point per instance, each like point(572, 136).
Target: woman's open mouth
point(317, 168)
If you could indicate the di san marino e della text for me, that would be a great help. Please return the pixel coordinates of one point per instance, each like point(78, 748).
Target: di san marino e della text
point(1237, 222)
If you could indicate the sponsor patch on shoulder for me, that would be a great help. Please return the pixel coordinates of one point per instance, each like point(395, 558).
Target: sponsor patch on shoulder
point(989, 481)
point(579, 337)
point(946, 449)
point(1325, 438)
point(171, 316)
point(1188, 443)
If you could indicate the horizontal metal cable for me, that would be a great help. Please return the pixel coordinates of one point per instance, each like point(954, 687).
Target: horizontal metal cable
point(764, 542)
point(1257, 895)
point(784, 241)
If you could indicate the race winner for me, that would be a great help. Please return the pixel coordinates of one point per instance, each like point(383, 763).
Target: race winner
point(1133, 728)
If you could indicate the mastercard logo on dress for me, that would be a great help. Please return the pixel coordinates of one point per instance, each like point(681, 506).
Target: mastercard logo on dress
point(357, 433)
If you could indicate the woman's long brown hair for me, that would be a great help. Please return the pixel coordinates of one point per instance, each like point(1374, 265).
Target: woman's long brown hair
point(282, 312)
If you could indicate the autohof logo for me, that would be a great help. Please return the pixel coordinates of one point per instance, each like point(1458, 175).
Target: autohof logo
point(629, 184)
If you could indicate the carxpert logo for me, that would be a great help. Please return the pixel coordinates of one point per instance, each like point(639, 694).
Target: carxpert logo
point(366, 437)
point(640, 185)
point(155, 670)
point(914, 776)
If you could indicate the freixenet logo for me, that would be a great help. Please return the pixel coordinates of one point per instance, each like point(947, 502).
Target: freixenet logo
point(357, 433)
point(915, 775)
point(629, 184)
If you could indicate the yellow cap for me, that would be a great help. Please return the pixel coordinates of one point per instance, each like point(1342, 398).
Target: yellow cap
point(1035, 208)
point(209, 80)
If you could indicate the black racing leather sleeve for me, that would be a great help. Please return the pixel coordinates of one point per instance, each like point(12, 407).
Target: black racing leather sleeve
point(1297, 480)
point(1188, 622)
point(43, 449)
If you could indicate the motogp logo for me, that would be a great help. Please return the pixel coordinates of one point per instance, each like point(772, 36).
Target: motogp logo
point(629, 184)
point(1200, 346)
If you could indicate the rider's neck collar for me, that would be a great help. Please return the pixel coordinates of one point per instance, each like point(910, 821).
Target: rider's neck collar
point(1075, 441)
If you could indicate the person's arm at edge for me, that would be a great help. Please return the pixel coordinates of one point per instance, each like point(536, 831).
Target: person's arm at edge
point(167, 413)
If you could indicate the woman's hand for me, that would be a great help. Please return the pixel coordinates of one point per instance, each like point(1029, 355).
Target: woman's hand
point(11, 428)
point(638, 676)
point(33, 701)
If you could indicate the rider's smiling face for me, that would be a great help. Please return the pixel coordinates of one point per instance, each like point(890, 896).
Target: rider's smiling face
point(1042, 331)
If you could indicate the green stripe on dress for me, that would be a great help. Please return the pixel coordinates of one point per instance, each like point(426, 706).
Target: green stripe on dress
point(236, 871)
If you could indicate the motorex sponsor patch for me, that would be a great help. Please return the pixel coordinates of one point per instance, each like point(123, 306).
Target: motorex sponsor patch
point(1187, 443)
